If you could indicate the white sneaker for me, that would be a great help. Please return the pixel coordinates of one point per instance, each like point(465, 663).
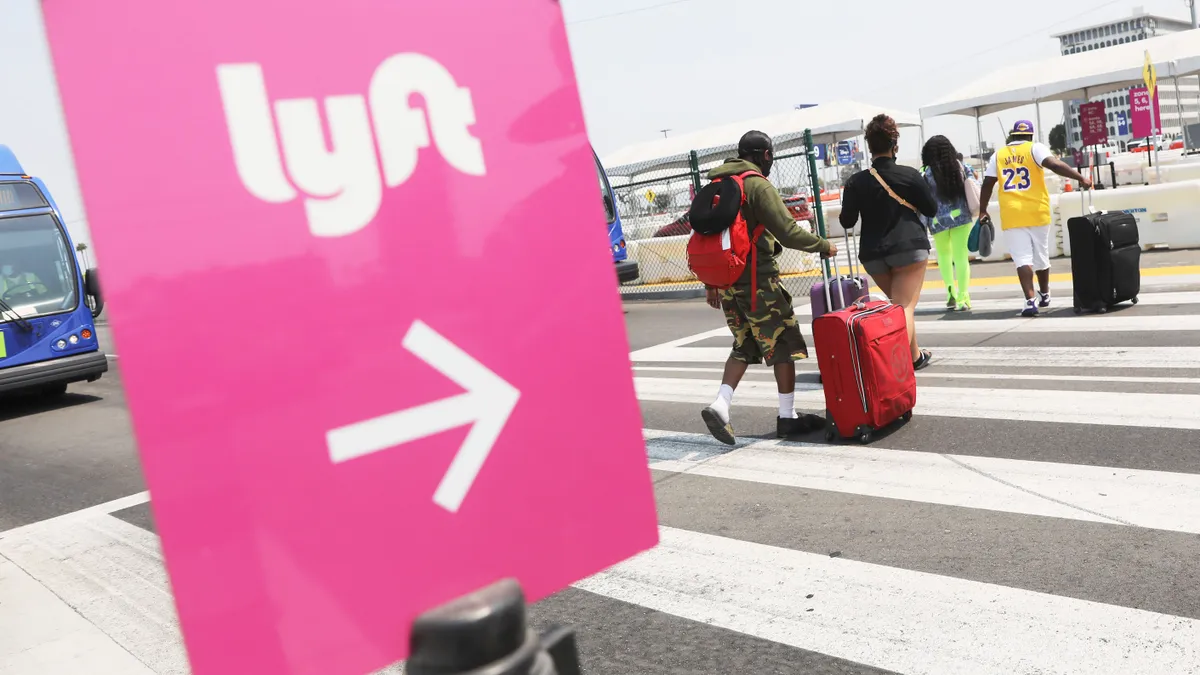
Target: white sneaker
point(1031, 309)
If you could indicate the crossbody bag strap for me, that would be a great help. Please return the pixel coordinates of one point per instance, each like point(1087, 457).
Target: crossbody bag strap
point(893, 193)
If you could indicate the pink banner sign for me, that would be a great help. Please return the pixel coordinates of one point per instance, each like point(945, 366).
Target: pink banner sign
point(1093, 121)
point(1144, 113)
point(370, 331)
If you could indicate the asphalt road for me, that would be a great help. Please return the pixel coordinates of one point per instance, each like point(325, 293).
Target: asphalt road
point(1040, 515)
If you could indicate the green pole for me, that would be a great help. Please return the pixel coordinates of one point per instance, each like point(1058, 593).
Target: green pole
point(694, 159)
point(816, 188)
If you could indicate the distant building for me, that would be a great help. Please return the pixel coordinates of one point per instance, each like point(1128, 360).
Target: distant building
point(1140, 26)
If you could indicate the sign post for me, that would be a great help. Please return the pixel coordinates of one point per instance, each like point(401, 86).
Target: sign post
point(1150, 78)
point(350, 408)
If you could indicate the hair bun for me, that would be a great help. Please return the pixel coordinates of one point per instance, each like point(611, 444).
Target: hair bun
point(881, 133)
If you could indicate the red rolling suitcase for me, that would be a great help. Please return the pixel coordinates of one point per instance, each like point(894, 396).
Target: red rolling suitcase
point(866, 368)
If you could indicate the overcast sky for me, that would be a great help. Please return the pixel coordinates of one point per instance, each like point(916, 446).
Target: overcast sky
point(647, 65)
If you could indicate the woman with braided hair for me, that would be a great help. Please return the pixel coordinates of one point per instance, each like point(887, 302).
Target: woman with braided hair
point(951, 227)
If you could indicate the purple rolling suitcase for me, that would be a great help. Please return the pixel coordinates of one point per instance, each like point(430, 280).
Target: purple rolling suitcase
point(845, 290)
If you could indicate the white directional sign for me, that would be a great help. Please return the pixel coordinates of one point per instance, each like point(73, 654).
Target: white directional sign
point(486, 405)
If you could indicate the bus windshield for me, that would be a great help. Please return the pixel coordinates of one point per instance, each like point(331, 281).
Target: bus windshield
point(37, 276)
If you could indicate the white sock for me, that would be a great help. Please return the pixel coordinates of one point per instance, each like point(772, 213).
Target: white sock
point(724, 400)
point(787, 406)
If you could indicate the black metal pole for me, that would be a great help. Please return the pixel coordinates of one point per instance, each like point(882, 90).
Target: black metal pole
point(485, 633)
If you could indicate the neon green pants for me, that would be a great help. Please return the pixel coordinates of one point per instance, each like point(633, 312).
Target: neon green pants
point(954, 261)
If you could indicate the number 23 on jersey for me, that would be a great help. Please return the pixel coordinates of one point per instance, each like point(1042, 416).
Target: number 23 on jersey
point(1016, 179)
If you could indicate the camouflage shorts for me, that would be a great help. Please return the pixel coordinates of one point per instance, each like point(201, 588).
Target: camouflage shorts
point(769, 334)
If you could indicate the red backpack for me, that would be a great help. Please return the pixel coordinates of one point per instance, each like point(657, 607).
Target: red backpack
point(721, 241)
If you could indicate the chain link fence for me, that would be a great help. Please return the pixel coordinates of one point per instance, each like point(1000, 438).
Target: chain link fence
point(653, 199)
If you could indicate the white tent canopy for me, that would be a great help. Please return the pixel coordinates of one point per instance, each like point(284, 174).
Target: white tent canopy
point(829, 122)
point(1075, 76)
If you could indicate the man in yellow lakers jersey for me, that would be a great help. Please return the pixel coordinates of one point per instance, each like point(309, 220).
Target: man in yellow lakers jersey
point(1020, 170)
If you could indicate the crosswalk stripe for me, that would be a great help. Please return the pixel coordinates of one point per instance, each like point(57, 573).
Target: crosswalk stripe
point(893, 618)
point(1150, 499)
point(1027, 357)
point(935, 303)
point(1154, 323)
point(926, 375)
point(930, 322)
point(1177, 411)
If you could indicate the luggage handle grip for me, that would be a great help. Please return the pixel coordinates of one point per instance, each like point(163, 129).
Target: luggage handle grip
point(1086, 200)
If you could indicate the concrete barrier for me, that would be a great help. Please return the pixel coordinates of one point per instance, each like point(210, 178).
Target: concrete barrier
point(663, 260)
point(1168, 214)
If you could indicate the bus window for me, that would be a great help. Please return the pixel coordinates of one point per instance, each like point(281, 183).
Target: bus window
point(627, 270)
point(36, 274)
point(610, 209)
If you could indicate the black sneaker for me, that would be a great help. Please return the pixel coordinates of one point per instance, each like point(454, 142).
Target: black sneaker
point(720, 429)
point(804, 424)
point(922, 361)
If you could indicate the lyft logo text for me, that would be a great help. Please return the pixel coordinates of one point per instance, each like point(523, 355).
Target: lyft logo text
point(342, 183)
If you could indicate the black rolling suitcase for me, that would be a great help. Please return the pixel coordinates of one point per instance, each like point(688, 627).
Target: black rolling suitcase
point(1106, 258)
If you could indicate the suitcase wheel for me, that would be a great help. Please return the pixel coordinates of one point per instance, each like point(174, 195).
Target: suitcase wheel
point(864, 434)
point(1078, 309)
point(906, 416)
point(1133, 300)
point(830, 434)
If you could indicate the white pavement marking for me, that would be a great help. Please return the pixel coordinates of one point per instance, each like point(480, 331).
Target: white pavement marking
point(935, 302)
point(1151, 499)
point(1150, 411)
point(82, 514)
point(1142, 323)
point(1173, 358)
point(42, 634)
point(892, 618)
point(925, 374)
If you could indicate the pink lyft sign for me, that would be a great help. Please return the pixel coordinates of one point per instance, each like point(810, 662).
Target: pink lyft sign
point(368, 325)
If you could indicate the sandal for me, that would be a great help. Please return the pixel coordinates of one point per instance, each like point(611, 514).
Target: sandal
point(923, 362)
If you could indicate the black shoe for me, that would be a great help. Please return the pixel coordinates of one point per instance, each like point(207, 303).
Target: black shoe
point(923, 361)
point(804, 424)
point(720, 429)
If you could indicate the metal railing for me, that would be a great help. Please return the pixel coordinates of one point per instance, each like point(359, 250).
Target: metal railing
point(654, 197)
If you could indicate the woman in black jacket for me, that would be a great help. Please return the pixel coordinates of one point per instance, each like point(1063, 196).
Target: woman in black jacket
point(894, 244)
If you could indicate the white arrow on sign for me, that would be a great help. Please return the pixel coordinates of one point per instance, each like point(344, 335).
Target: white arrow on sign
point(487, 405)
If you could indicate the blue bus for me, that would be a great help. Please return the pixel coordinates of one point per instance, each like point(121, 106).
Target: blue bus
point(47, 333)
point(627, 270)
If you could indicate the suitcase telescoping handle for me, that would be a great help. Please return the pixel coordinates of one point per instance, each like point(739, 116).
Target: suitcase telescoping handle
point(851, 247)
point(1087, 200)
point(829, 280)
point(852, 256)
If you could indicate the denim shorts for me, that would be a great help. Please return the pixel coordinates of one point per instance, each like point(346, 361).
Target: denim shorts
point(891, 262)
